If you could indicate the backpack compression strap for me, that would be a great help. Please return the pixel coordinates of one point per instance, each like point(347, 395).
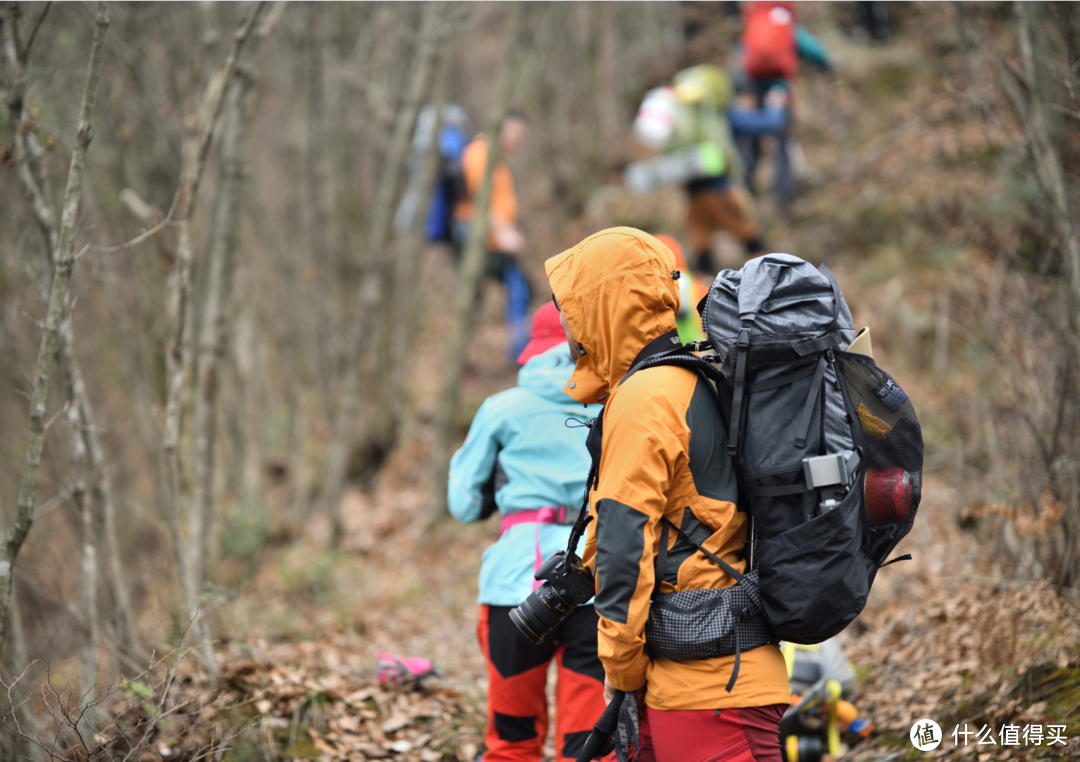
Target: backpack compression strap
point(742, 347)
point(823, 345)
point(735, 575)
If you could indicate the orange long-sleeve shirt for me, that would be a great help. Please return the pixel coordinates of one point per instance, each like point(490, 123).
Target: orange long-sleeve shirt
point(503, 209)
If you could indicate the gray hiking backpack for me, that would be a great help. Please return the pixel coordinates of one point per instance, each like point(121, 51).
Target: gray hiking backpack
point(828, 447)
point(828, 456)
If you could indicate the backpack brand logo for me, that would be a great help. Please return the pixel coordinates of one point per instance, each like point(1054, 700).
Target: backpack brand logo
point(891, 394)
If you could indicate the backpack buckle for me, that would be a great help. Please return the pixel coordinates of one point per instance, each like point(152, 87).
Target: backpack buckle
point(837, 469)
point(744, 339)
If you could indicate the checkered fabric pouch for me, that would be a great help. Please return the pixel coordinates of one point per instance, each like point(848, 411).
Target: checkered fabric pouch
point(703, 624)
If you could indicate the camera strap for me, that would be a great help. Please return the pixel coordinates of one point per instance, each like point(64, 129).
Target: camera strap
point(583, 517)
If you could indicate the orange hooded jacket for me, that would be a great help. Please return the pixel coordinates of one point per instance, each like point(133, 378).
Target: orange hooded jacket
point(663, 455)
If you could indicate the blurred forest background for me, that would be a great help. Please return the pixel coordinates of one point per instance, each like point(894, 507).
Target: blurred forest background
point(244, 382)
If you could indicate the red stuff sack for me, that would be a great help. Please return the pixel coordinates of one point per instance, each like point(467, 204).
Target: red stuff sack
point(768, 42)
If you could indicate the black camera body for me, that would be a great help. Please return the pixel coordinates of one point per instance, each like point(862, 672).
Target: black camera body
point(567, 585)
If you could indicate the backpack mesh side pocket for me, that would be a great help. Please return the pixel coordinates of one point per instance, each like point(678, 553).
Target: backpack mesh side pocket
point(884, 425)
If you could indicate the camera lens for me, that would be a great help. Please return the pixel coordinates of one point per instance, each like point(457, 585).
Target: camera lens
point(540, 613)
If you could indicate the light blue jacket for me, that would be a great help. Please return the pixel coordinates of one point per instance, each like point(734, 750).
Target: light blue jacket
point(521, 448)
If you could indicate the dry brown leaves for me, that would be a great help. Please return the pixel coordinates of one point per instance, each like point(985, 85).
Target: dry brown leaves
point(311, 709)
point(301, 701)
point(982, 657)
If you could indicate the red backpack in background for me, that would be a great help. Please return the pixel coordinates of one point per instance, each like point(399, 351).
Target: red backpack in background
point(768, 41)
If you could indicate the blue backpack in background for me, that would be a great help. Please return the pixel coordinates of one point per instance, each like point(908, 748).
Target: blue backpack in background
point(449, 185)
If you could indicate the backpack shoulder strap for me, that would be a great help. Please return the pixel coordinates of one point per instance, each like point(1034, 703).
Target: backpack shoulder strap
point(683, 358)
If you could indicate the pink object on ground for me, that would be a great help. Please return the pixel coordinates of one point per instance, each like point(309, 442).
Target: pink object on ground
point(400, 671)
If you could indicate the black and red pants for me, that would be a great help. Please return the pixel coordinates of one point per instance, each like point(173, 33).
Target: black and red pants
point(517, 686)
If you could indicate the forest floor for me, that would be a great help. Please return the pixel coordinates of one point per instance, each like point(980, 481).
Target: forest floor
point(950, 636)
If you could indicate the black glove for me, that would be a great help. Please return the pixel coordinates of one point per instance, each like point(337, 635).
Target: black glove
point(617, 731)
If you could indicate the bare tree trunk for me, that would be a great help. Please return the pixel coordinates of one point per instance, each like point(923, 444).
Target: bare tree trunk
point(312, 164)
point(35, 184)
point(251, 392)
point(186, 521)
point(65, 262)
point(318, 196)
point(1032, 114)
point(610, 120)
point(124, 616)
point(26, 152)
point(85, 505)
point(216, 305)
point(405, 309)
point(100, 498)
point(471, 267)
point(371, 297)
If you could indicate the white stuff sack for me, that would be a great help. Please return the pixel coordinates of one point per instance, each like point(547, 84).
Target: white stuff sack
point(654, 124)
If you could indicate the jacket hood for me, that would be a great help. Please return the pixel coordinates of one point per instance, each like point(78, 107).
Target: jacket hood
point(545, 374)
point(617, 291)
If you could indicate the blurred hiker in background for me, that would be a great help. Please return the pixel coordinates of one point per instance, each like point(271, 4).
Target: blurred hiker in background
point(448, 185)
point(690, 121)
point(766, 65)
point(873, 19)
point(523, 459)
point(691, 290)
point(505, 241)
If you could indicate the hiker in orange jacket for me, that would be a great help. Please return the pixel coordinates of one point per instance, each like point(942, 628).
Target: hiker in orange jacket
point(505, 242)
point(662, 456)
point(504, 236)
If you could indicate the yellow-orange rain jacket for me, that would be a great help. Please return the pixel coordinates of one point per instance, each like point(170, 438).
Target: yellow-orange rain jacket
point(663, 455)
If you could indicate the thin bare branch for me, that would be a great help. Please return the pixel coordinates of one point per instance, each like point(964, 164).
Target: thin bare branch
point(24, 54)
point(146, 235)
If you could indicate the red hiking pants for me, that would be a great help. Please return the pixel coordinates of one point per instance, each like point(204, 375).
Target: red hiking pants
point(712, 735)
point(517, 686)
